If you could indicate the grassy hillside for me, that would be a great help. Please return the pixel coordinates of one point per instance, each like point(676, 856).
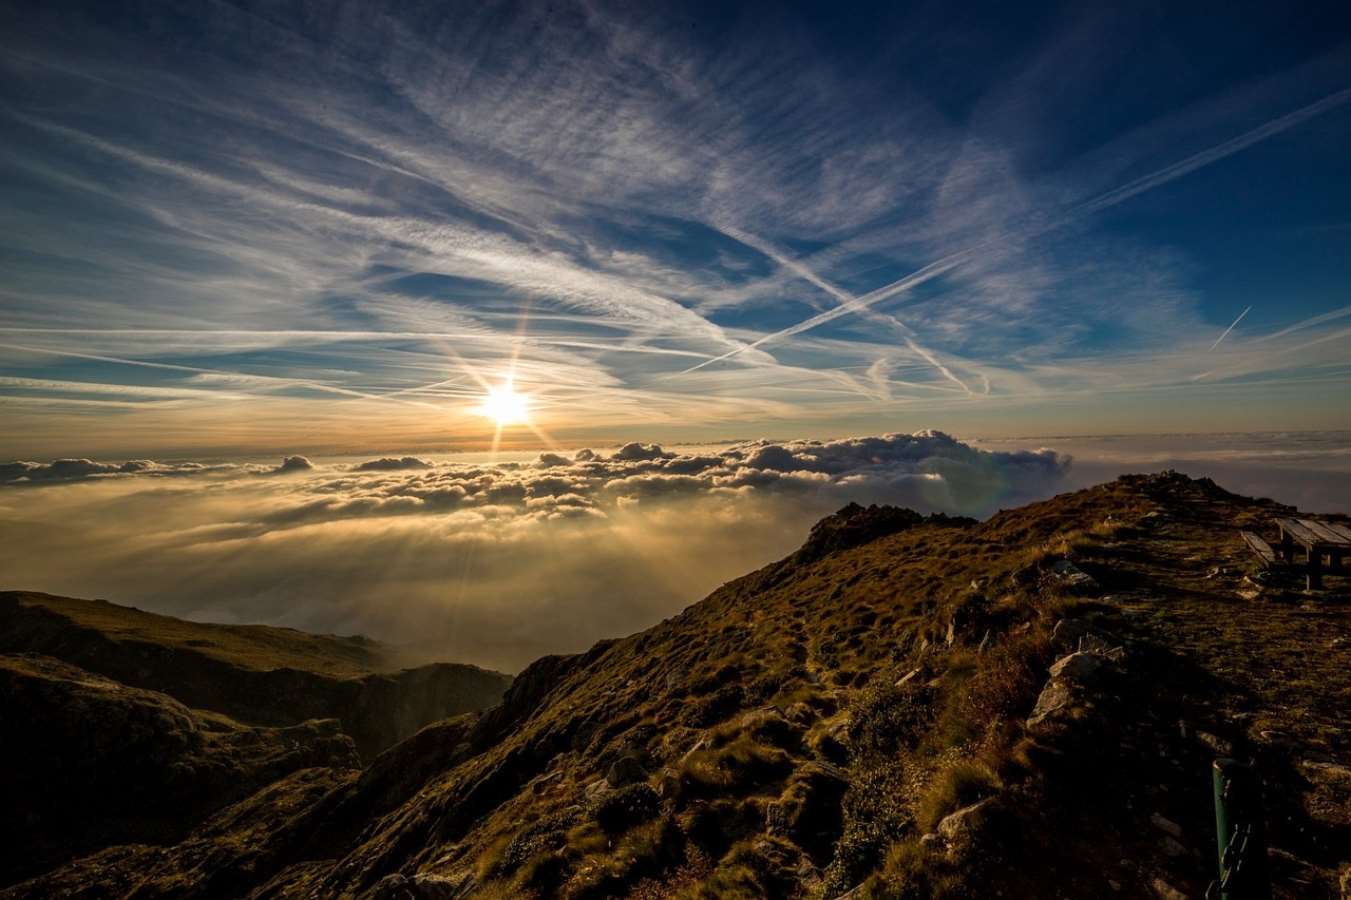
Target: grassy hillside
point(256, 647)
point(253, 673)
point(905, 708)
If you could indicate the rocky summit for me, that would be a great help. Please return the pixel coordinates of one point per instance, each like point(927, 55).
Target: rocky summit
point(908, 707)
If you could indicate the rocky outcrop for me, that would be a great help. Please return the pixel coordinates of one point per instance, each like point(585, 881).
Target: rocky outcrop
point(1077, 678)
point(854, 525)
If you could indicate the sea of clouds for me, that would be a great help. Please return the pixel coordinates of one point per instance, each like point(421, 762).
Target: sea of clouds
point(492, 563)
point(497, 563)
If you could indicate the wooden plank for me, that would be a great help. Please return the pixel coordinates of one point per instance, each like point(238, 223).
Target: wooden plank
point(1340, 529)
point(1296, 530)
point(1260, 547)
point(1326, 534)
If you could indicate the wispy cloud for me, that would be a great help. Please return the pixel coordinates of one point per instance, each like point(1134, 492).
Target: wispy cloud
point(354, 217)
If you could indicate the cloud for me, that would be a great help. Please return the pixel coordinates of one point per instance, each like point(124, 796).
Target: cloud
point(293, 464)
point(61, 470)
point(392, 464)
point(490, 563)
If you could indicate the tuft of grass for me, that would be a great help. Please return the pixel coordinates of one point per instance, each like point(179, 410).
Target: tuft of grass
point(735, 769)
point(958, 785)
point(620, 810)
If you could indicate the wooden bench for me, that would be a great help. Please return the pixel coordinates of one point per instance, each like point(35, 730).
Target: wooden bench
point(1318, 539)
point(1261, 548)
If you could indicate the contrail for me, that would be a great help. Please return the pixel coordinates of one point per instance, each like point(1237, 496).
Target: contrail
point(1092, 205)
point(1229, 329)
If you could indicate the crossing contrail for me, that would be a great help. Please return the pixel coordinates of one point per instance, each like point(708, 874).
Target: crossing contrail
point(1229, 329)
point(1102, 201)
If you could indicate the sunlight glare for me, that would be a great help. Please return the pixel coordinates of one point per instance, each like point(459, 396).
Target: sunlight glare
point(505, 406)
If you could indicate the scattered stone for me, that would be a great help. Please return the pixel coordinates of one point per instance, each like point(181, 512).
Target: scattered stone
point(1326, 772)
point(1165, 891)
point(958, 829)
point(544, 782)
point(931, 841)
point(1053, 698)
point(1079, 666)
point(952, 632)
point(1073, 577)
point(1114, 885)
point(1167, 826)
point(907, 677)
point(426, 887)
point(1070, 634)
point(1219, 745)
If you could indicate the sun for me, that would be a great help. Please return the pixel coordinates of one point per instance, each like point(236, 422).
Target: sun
point(505, 406)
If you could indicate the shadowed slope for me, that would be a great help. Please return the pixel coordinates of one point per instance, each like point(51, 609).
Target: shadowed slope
point(253, 673)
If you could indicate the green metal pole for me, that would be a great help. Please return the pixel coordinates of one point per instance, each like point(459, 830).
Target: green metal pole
point(1242, 849)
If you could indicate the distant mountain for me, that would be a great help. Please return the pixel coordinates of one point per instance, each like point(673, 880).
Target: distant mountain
point(253, 673)
point(909, 707)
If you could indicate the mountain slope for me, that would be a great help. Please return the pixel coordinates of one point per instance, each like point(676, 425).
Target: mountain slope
point(907, 707)
point(253, 673)
point(87, 762)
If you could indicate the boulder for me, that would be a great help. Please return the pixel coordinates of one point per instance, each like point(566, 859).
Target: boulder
point(1055, 697)
point(1078, 667)
point(1070, 576)
point(625, 771)
point(959, 830)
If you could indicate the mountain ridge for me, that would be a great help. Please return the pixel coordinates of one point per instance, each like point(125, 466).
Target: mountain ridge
point(916, 714)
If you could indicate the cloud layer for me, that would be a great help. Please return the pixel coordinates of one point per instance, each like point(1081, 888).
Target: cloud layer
point(490, 563)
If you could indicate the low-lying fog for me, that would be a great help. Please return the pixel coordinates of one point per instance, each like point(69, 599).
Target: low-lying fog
point(498, 563)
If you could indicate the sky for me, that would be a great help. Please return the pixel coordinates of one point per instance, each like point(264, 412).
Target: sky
point(236, 229)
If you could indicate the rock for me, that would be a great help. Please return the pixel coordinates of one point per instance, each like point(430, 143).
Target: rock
point(931, 841)
point(1114, 885)
point(1076, 634)
point(1054, 697)
point(1219, 745)
point(544, 782)
point(1072, 577)
point(596, 790)
point(1165, 891)
point(425, 887)
point(907, 677)
point(958, 829)
point(952, 633)
point(1078, 667)
point(625, 771)
point(1167, 826)
point(1326, 773)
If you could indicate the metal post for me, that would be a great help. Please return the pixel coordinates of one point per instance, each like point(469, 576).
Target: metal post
point(1242, 849)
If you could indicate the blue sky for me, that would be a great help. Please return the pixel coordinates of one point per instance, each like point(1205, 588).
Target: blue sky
point(237, 228)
